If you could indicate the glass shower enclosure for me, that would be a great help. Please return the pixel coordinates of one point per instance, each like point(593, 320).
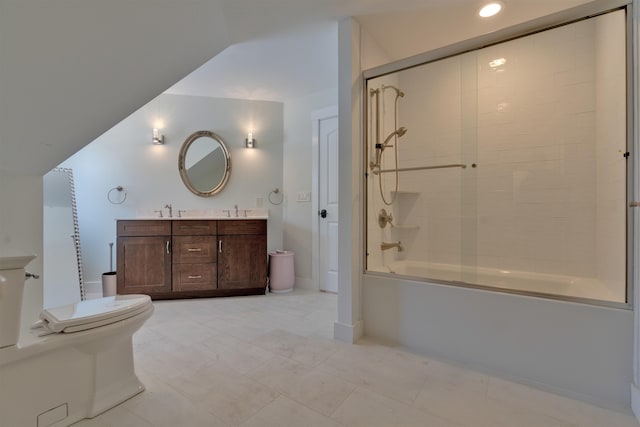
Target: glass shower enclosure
point(505, 167)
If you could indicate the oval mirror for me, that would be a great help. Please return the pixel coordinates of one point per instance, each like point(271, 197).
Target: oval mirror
point(204, 163)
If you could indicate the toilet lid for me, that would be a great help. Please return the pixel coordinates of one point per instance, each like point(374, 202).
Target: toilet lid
point(94, 313)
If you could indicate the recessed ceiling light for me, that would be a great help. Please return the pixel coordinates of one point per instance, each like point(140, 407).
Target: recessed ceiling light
point(498, 62)
point(490, 9)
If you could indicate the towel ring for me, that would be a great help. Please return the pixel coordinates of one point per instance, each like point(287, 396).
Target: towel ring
point(276, 191)
point(119, 188)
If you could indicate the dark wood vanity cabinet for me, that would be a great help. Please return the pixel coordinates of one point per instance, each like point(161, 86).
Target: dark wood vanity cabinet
point(192, 258)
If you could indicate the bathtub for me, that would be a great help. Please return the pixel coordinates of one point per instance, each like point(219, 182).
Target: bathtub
point(505, 280)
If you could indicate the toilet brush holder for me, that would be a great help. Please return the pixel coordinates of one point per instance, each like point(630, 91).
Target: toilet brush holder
point(109, 282)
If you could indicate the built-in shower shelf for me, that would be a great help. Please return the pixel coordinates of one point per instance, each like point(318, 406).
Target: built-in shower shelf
point(405, 227)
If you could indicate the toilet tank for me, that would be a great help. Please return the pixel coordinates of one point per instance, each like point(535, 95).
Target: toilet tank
point(12, 278)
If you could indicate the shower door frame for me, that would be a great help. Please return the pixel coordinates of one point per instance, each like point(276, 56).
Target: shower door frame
point(538, 25)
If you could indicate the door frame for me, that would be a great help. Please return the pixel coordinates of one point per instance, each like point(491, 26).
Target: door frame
point(316, 117)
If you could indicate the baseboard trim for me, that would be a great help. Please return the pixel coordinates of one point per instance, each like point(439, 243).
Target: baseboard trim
point(347, 333)
point(93, 287)
point(305, 283)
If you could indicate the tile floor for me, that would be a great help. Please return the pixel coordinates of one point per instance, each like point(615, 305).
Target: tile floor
point(269, 361)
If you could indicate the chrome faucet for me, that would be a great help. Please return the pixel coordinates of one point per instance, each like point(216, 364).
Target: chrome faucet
point(236, 208)
point(384, 246)
point(168, 206)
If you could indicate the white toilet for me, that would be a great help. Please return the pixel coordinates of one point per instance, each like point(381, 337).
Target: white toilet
point(76, 365)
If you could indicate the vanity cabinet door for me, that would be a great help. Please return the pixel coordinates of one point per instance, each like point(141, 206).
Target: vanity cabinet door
point(242, 261)
point(144, 265)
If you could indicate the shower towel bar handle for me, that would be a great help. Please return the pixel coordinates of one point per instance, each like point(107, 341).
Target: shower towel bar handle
point(419, 168)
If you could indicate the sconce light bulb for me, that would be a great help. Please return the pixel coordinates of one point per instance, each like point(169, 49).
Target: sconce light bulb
point(250, 141)
point(157, 138)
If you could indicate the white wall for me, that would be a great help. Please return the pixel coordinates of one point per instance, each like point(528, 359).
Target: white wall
point(349, 325)
point(149, 173)
point(297, 177)
point(21, 230)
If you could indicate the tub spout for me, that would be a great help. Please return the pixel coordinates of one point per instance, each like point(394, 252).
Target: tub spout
point(384, 246)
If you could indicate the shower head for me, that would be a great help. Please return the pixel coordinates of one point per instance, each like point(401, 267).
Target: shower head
point(398, 91)
point(399, 132)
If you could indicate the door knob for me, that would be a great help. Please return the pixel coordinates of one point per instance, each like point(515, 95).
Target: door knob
point(323, 213)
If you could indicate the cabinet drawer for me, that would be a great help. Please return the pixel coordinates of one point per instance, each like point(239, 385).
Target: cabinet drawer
point(144, 228)
point(241, 226)
point(194, 277)
point(194, 249)
point(194, 228)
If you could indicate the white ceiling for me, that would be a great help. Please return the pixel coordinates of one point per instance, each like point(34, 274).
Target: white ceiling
point(301, 60)
point(272, 68)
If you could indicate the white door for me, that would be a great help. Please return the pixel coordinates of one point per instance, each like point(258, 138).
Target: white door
point(327, 128)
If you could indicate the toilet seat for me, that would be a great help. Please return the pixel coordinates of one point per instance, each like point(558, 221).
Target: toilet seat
point(93, 313)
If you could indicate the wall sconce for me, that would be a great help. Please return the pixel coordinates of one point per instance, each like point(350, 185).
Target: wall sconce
point(158, 138)
point(250, 142)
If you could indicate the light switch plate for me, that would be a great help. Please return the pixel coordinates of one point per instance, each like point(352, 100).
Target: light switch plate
point(304, 196)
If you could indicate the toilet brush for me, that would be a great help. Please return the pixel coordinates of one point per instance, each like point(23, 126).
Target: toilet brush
point(110, 256)
point(109, 282)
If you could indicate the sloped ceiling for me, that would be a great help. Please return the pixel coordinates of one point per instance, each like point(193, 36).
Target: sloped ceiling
point(69, 70)
point(72, 69)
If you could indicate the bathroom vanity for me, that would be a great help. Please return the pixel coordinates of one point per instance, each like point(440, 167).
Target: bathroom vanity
point(187, 258)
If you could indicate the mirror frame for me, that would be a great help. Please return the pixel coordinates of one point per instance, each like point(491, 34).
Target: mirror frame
point(183, 154)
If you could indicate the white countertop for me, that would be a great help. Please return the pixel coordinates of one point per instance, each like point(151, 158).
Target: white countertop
point(202, 214)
